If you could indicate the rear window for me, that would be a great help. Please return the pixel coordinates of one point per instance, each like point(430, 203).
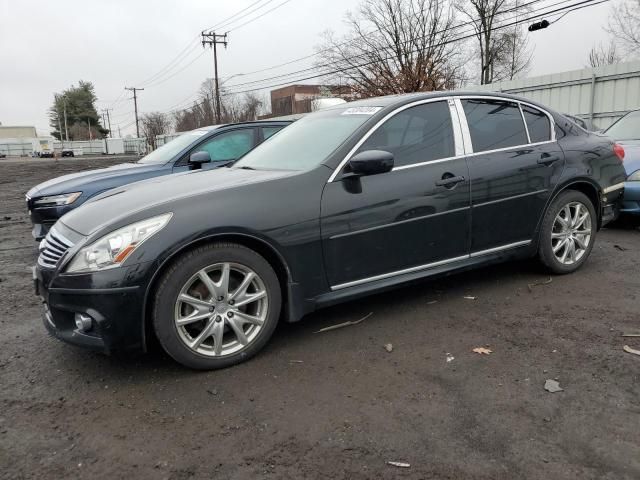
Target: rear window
point(537, 123)
point(494, 124)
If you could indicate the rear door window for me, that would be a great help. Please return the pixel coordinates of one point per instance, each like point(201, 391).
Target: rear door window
point(415, 135)
point(537, 123)
point(494, 124)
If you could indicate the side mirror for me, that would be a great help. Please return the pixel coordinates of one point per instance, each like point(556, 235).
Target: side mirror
point(198, 158)
point(371, 162)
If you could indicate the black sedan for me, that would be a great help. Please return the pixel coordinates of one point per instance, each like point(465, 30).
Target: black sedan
point(346, 202)
point(203, 148)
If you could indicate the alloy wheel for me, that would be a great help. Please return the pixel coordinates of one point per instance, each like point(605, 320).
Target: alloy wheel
point(221, 309)
point(571, 233)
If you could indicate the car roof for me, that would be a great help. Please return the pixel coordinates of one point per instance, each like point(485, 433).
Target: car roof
point(253, 122)
point(404, 98)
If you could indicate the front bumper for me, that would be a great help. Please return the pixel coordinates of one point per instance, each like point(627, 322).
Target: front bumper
point(43, 218)
point(631, 198)
point(114, 299)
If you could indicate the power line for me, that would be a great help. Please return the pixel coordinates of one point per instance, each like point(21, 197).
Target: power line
point(259, 16)
point(583, 4)
point(154, 84)
point(317, 67)
point(532, 15)
point(193, 43)
point(319, 52)
point(225, 23)
point(157, 78)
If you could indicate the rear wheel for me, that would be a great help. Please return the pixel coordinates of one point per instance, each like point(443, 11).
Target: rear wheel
point(568, 232)
point(216, 306)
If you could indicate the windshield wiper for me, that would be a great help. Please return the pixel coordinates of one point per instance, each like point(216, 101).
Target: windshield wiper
point(246, 167)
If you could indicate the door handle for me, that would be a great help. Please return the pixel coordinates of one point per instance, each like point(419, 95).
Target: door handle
point(449, 180)
point(546, 159)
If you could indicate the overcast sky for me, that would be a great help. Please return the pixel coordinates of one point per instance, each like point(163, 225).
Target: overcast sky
point(45, 46)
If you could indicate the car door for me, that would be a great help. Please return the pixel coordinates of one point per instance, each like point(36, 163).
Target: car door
point(514, 166)
point(223, 148)
point(413, 217)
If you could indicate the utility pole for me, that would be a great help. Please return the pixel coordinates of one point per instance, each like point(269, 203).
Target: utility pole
point(89, 122)
point(213, 40)
point(108, 120)
point(66, 131)
point(135, 106)
point(59, 124)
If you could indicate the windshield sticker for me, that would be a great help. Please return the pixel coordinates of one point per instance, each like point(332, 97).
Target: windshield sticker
point(361, 110)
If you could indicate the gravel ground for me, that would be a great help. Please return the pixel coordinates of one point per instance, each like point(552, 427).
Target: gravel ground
point(337, 404)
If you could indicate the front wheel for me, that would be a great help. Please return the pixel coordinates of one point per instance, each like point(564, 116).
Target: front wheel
point(216, 306)
point(568, 232)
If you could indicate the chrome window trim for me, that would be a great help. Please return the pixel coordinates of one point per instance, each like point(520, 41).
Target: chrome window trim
point(552, 122)
point(464, 125)
point(427, 266)
point(462, 134)
point(504, 149)
point(526, 128)
point(366, 136)
point(458, 139)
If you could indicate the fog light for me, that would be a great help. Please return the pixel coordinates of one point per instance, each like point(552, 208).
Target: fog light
point(83, 322)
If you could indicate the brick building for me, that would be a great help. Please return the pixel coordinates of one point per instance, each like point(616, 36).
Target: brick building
point(297, 98)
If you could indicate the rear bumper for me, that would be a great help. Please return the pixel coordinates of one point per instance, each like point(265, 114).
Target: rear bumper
point(631, 198)
point(611, 201)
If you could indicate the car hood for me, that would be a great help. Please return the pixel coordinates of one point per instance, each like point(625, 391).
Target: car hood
point(103, 178)
point(117, 205)
point(631, 155)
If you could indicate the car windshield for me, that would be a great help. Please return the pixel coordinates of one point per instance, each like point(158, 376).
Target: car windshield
point(169, 150)
point(308, 141)
point(627, 128)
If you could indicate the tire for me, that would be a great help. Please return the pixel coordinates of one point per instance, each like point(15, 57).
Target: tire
point(236, 332)
point(557, 228)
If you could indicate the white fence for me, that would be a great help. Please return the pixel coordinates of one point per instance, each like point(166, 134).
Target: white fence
point(27, 147)
point(162, 139)
point(16, 147)
point(600, 95)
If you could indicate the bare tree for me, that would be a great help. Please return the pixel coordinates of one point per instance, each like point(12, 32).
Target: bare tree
point(601, 55)
point(155, 123)
point(514, 58)
point(395, 46)
point(241, 109)
point(504, 54)
point(234, 108)
point(624, 25)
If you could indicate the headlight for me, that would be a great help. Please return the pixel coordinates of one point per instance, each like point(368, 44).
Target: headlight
point(634, 177)
point(57, 200)
point(112, 249)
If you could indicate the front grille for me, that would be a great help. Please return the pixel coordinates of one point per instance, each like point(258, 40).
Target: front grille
point(52, 249)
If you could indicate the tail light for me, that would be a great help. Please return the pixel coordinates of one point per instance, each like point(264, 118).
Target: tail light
point(619, 151)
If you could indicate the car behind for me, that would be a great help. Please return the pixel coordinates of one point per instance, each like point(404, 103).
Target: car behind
point(203, 148)
point(626, 133)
